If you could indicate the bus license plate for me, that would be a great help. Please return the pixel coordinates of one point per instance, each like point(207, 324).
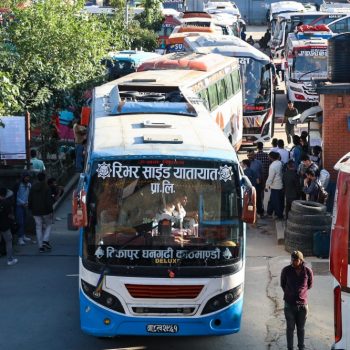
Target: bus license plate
point(162, 328)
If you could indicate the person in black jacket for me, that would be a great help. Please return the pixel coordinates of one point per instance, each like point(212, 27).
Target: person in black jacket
point(40, 202)
point(6, 219)
point(291, 184)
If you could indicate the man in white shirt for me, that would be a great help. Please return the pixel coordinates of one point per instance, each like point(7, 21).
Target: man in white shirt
point(274, 182)
point(282, 152)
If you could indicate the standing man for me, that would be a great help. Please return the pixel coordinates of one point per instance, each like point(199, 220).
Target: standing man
point(264, 159)
point(257, 167)
point(6, 218)
point(290, 112)
point(296, 280)
point(41, 204)
point(36, 164)
point(21, 198)
point(275, 184)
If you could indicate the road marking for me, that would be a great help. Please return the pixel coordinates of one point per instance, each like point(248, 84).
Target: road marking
point(73, 275)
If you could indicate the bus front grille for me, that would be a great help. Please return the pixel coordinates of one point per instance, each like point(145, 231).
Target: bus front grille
point(163, 291)
point(163, 310)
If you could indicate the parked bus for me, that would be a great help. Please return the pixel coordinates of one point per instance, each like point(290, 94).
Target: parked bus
point(307, 53)
point(339, 255)
point(287, 22)
point(335, 6)
point(124, 62)
point(213, 79)
point(175, 42)
point(160, 212)
point(257, 73)
point(277, 8)
point(169, 23)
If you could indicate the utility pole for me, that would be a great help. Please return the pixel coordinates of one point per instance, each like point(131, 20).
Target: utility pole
point(127, 13)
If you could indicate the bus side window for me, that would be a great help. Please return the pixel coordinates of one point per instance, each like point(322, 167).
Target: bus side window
point(229, 87)
point(213, 97)
point(236, 80)
point(204, 96)
point(221, 91)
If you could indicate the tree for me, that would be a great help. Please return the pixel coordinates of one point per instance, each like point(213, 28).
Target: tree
point(57, 51)
point(152, 17)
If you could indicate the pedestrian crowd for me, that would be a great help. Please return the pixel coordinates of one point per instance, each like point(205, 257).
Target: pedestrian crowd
point(31, 200)
point(287, 175)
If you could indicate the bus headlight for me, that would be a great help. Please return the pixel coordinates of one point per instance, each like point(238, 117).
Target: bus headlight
point(296, 89)
point(102, 297)
point(222, 300)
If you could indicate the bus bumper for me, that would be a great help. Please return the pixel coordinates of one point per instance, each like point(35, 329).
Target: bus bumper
point(92, 321)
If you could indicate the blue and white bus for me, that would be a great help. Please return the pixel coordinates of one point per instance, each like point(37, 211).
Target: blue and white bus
point(160, 207)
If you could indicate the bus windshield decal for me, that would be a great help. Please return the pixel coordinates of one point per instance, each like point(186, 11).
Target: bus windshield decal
point(110, 252)
point(118, 170)
point(313, 52)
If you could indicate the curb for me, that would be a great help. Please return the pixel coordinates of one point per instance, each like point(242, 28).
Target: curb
point(67, 189)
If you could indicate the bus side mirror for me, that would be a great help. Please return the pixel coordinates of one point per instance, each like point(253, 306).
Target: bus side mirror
point(249, 206)
point(79, 209)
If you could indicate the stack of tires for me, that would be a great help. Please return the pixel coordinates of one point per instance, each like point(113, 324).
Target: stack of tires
point(304, 220)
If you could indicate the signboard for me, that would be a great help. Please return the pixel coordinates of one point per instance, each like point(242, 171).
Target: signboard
point(321, 52)
point(13, 138)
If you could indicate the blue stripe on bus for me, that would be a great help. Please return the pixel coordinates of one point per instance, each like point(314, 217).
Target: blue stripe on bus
point(92, 322)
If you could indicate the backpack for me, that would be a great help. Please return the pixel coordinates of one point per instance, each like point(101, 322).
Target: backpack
point(322, 194)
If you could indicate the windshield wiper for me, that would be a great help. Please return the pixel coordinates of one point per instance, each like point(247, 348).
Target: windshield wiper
point(311, 71)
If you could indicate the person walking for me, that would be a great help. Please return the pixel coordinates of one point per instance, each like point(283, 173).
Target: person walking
point(296, 280)
point(6, 219)
point(291, 185)
point(36, 164)
point(21, 194)
point(275, 184)
point(41, 204)
point(290, 112)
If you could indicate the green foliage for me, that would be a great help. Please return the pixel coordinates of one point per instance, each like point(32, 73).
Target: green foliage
point(151, 18)
point(9, 94)
point(51, 53)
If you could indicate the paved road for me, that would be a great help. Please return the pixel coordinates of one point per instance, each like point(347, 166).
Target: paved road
point(39, 296)
point(39, 301)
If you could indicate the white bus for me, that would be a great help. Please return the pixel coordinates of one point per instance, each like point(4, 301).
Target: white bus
point(306, 52)
point(257, 75)
point(339, 255)
point(287, 23)
point(213, 80)
point(160, 211)
point(277, 8)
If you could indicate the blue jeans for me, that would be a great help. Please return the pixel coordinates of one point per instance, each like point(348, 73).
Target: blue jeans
point(295, 316)
point(276, 203)
point(21, 216)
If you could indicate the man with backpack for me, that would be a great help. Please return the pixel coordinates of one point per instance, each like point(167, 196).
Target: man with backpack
point(313, 189)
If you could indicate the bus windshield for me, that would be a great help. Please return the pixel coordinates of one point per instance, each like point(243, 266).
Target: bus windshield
point(142, 209)
point(313, 62)
point(257, 84)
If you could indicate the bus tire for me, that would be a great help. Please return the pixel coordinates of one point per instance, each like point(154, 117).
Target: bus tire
point(317, 219)
point(308, 207)
point(296, 241)
point(307, 229)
